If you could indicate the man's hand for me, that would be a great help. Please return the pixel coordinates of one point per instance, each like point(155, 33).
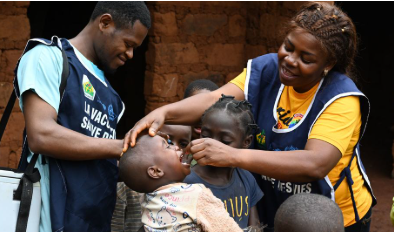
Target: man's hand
point(207, 151)
point(153, 121)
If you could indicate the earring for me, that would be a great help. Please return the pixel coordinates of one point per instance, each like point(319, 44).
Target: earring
point(325, 72)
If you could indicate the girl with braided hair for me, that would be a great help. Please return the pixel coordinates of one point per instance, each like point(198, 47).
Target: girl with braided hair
point(231, 122)
point(310, 113)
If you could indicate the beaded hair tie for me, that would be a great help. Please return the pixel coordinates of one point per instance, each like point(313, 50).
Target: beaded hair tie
point(254, 127)
point(226, 97)
point(244, 102)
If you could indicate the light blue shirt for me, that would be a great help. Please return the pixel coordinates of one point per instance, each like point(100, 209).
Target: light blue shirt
point(40, 70)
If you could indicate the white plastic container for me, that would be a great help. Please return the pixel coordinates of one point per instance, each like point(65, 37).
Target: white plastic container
point(9, 208)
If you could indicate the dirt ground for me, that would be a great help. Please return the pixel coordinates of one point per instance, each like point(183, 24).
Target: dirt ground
point(377, 160)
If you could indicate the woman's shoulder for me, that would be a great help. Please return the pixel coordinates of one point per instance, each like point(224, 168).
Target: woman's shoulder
point(349, 105)
point(336, 87)
point(266, 58)
point(264, 68)
point(341, 82)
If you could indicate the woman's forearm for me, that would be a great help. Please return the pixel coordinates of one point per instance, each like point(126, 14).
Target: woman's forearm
point(293, 166)
point(285, 165)
point(189, 111)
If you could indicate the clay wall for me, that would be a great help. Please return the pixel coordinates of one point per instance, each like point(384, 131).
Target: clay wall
point(14, 33)
point(211, 40)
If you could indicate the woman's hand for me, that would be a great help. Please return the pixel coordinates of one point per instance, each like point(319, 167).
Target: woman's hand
point(153, 121)
point(207, 151)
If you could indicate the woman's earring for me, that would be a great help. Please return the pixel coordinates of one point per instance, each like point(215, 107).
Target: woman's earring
point(325, 72)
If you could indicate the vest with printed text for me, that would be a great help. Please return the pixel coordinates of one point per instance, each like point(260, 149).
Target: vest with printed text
point(83, 193)
point(263, 90)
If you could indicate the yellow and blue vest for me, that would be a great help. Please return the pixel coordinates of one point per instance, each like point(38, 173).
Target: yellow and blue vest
point(263, 90)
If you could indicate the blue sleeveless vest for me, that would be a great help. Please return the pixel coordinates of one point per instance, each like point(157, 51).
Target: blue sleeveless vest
point(263, 90)
point(83, 193)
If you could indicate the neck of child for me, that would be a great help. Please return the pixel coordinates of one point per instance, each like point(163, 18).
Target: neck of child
point(214, 175)
point(160, 183)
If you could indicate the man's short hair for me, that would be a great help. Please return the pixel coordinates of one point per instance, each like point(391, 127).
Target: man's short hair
point(202, 84)
point(309, 212)
point(124, 13)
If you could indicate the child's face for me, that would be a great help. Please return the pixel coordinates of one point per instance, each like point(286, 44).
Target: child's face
point(196, 129)
point(179, 135)
point(169, 159)
point(221, 126)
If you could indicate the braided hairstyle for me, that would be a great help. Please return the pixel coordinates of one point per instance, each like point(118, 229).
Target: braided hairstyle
point(240, 109)
point(333, 28)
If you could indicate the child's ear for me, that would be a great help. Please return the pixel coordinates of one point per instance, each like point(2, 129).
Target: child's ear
point(155, 172)
point(247, 141)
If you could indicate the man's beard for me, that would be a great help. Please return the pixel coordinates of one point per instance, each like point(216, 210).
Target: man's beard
point(106, 69)
point(104, 65)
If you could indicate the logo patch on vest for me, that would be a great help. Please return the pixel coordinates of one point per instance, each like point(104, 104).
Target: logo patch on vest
point(260, 138)
point(88, 88)
point(296, 119)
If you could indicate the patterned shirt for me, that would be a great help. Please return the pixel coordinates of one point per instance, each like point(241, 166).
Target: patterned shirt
point(184, 207)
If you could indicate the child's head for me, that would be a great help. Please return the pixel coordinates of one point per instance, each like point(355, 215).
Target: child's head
point(229, 121)
point(199, 86)
point(179, 135)
point(307, 212)
point(194, 88)
point(152, 163)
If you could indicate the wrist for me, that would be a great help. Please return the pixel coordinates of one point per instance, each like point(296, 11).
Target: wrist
point(165, 111)
point(118, 149)
point(234, 157)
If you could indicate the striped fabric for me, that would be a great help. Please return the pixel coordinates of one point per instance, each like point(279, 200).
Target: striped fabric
point(127, 214)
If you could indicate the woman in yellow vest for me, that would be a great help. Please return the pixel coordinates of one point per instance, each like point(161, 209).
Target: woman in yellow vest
point(310, 113)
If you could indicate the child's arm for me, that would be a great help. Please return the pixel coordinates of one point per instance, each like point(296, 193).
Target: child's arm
point(254, 217)
point(212, 216)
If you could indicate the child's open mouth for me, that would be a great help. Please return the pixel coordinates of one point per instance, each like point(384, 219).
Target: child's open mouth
point(197, 129)
point(186, 159)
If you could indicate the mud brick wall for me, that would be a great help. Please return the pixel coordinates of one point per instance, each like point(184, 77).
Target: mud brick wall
point(211, 40)
point(14, 32)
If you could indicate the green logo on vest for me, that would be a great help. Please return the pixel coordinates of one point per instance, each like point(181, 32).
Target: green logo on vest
point(88, 89)
point(260, 138)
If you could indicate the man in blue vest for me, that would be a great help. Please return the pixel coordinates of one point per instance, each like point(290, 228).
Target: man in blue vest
point(75, 134)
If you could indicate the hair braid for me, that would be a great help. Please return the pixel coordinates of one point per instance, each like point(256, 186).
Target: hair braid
point(333, 28)
point(239, 109)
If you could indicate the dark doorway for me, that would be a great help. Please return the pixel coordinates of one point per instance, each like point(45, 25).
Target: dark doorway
point(374, 24)
point(375, 64)
point(66, 20)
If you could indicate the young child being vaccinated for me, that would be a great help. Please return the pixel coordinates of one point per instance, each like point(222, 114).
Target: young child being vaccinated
point(230, 122)
point(157, 169)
